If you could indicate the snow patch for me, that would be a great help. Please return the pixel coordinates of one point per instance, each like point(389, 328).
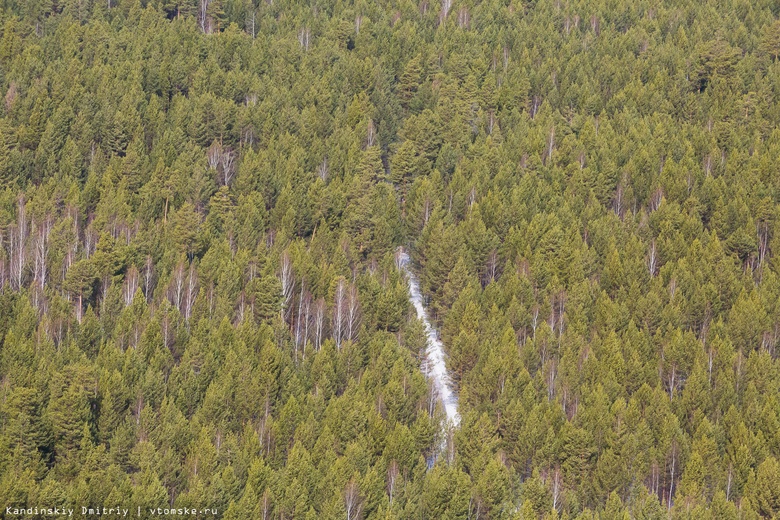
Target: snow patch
point(435, 368)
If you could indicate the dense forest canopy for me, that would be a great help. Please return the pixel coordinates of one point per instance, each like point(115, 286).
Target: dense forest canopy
point(201, 203)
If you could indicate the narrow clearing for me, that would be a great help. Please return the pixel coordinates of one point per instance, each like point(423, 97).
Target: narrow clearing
point(436, 367)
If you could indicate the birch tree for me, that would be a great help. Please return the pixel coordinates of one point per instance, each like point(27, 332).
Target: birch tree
point(131, 285)
point(353, 502)
point(190, 292)
point(287, 278)
point(340, 310)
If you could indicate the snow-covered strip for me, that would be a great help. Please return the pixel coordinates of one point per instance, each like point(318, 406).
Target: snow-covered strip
point(435, 368)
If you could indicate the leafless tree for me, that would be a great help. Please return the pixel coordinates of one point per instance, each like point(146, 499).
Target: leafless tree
point(241, 307)
point(139, 405)
point(353, 313)
point(707, 165)
point(3, 266)
point(433, 391)
point(763, 241)
point(190, 292)
point(534, 319)
point(298, 318)
point(392, 478)
point(536, 103)
point(148, 277)
point(211, 294)
point(265, 505)
point(446, 5)
point(618, 203)
point(251, 23)
point(352, 500)
point(302, 320)
point(90, 241)
point(41, 252)
point(203, 17)
point(319, 323)
point(105, 285)
point(464, 18)
point(15, 266)
point(18, 246)
point(214, 155)
point(450, 445)
point(475, 506)
point(248, 136)
point(655, 479)
point(251, 270)
point(671, 474)
point(228, 161)
point(728, 481)
point(370, 134)
point(491, 269)
point(323, 170)
point(73, 242)
point(11, 94)
point(552, 320)
point(287, 278)
point(595, 25)
point(672, 380)
point(339, 312)
point(306, 320)
point(399, 258)
point(166, 326)
point(556, 487)
point(561, 312)
point(550, 144)
point(656, 198)
point(552, 372)
point(176, 289)
point(652, 259)
point(768, 340)
point(130, 285)
point(304, 38)
point(131, 231)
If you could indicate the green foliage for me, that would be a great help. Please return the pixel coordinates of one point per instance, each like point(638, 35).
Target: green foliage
point(200, 207)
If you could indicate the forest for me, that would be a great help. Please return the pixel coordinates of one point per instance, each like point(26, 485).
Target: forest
point(202, 208)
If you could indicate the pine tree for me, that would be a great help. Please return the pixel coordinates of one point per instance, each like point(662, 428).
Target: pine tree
point(766, 494)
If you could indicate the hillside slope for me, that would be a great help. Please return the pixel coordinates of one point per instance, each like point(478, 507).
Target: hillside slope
point(200, 306)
